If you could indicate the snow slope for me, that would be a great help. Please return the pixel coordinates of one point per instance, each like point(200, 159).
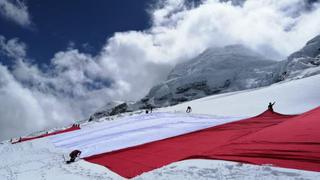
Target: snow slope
point(42, 159)
point(225, 170)
point(291, 97)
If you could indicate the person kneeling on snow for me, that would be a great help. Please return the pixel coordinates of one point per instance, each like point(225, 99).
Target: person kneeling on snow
point(73, 155)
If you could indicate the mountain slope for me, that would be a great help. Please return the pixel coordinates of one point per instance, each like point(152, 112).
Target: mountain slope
point(291, 97)
point(40, 159)
point(303, 63)
point(222, 70)
point(216, 70)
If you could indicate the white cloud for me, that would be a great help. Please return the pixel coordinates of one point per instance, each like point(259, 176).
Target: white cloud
point(24, 109)
point(280, 26)
point(130, 63)
point(16, 11)
point(12, 48)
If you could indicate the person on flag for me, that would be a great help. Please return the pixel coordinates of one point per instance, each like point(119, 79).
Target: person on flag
point(270, 106)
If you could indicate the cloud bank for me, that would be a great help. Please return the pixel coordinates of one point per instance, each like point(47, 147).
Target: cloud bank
point(75, 84)
point(16, 11)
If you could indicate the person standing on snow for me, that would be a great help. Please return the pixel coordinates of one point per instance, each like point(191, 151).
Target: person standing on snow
point(188, 109)
point(270, 106)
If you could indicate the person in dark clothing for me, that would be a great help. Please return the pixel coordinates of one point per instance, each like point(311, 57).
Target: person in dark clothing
point(73, 155)
point(76, 125)
point(151, 108)
point(188, 109)
point(270, 106)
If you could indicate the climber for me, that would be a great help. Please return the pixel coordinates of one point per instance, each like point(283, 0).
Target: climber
point(188, 109)
point(73, 155)
point(270, 106)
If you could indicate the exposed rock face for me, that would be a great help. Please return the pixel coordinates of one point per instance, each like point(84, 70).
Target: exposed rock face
point(109, 110)
point(311, 49)
point(216, 70)
point(303, 63)
point(119, 109)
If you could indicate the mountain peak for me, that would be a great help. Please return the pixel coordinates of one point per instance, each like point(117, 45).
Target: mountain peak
point(216, 70)
point(311, 49)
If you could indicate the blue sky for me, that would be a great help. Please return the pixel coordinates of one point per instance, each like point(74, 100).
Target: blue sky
point(56, 24)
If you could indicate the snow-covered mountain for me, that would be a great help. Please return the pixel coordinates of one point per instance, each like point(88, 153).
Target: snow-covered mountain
point(221, 70)
point(216, 70)
point(303, 63)
point(231, 68)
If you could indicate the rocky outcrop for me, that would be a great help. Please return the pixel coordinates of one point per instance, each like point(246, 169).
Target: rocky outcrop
point(109, 110)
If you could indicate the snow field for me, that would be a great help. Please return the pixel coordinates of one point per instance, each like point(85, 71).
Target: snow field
point(293, 97)
point(40, 160)
point(225, 170)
